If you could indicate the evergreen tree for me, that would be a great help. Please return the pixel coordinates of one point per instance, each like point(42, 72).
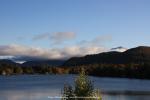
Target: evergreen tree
point(83, 89)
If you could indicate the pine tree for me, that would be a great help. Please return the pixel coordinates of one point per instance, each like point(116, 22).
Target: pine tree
point(83, 89)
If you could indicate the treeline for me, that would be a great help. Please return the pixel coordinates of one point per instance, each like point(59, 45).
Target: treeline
point(32, 70)
point(141, 71)
point(11, 69)
point(131, 70)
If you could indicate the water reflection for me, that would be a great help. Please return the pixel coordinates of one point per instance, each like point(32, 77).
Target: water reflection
point(125, 97)
point(43, 95)
point(39, 87)
point(28, 94)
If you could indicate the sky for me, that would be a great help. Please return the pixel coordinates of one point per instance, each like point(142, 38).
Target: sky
point(57, 29)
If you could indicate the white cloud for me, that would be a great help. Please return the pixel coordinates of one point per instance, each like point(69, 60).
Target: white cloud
point(22, 52)
point(52, 53)
point(56, 38)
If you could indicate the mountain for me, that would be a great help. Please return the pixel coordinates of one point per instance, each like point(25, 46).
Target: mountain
point(32, 63)
point(7, 62)
point(136, 55)
point(44, 62)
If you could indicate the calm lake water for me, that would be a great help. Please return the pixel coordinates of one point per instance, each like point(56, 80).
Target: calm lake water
point(41, 87)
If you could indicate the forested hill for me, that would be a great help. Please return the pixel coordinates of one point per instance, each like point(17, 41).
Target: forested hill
point(138, 55)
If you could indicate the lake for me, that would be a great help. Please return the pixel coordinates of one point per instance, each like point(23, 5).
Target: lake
point(42, 87)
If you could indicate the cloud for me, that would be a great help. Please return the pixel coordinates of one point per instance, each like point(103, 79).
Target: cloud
point(84, 47)
point(119, 49)
point(56, 38)
point(20, 51)
point(97, 41)
point(42, 36)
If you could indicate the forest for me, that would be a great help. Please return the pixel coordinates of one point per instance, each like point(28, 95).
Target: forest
point(141, 71)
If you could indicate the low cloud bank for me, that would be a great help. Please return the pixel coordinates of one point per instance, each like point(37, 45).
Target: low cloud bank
point(81, 48)
point(22, 52)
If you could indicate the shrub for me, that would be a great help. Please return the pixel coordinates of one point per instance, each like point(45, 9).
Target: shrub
point(82, 90)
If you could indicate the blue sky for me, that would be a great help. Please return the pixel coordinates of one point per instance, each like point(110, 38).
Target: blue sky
point(115, 23)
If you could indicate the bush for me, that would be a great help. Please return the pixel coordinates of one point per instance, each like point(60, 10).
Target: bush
point(83, 89)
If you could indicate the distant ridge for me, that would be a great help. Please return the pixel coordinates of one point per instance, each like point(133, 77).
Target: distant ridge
point(44, 62)
point(6, 63)
point(37, 63)
point(136, 55)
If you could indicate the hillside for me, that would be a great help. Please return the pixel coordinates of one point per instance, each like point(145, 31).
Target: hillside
point(136, 55)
